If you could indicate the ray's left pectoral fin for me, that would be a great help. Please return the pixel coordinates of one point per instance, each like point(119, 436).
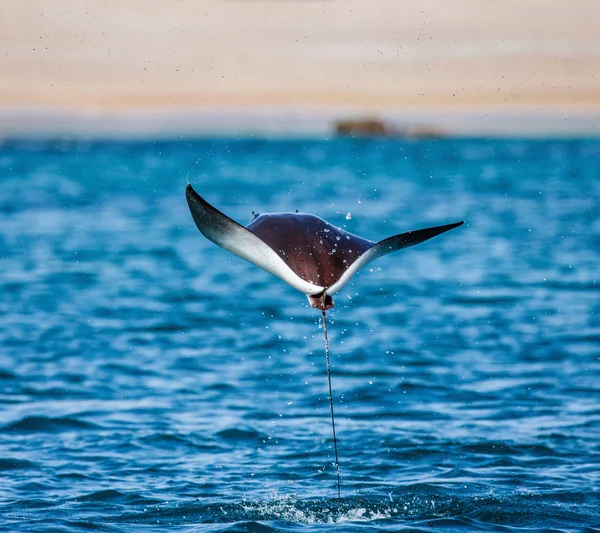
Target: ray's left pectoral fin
point(388, 246)
point(228, 234)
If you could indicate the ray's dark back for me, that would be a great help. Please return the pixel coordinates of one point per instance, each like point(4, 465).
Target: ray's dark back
point(314, 249)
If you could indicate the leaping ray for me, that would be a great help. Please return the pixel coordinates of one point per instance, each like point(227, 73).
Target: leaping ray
point(305, 251)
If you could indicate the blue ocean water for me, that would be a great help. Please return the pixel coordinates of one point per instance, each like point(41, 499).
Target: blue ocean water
point(151, 381)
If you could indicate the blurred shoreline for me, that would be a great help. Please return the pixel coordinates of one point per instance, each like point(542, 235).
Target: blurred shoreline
point(146, 68)
point(293, 122)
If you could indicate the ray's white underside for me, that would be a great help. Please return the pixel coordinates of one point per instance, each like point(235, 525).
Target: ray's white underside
point(235, 238)
point(248, 246)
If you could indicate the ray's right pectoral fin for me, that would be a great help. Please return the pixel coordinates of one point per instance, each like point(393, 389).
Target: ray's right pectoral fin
point(228, 234)
point(388, 246)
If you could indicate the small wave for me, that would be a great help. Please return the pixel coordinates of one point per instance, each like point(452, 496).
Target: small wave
point(222, 387)
point(15, 464)
point(115, 497)
point(47, 424)
point(109, 495)
point(484, 300)
point(239, 434)
point(4, 374)
point(171, 441)
point(570, 286)
point(502, 448)
point(250, 527)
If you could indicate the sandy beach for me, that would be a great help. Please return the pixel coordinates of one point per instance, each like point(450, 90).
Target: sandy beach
point(469, 66)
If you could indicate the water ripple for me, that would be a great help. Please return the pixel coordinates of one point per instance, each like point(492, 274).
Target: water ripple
point(151, 381)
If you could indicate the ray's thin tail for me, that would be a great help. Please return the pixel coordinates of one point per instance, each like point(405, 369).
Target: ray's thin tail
point(337, 463)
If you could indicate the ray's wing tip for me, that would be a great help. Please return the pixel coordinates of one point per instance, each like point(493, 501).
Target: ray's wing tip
point(453, 225)
point(191, 195)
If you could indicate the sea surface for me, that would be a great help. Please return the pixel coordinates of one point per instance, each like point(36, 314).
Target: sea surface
point(151, 381)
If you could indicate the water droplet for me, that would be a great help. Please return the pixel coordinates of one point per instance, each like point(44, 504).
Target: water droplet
point(349, 215)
